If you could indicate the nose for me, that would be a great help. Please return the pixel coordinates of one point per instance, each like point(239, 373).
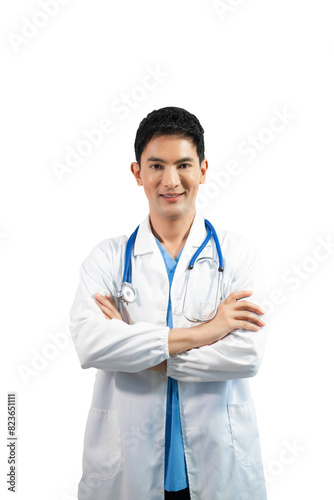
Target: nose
point(171, 177)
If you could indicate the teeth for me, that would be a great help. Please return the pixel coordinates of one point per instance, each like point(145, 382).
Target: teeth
point(171, 195)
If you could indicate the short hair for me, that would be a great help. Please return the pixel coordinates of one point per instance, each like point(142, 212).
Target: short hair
point(170, 120)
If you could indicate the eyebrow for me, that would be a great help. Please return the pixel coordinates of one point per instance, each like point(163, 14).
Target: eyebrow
point(182, 160)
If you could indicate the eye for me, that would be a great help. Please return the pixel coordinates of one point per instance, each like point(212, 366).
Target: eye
point(184, 165)
point(156, 166)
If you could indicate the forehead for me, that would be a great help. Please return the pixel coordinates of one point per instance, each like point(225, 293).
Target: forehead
point(170, 148)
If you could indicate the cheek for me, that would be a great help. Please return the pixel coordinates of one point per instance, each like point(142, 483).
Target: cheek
point(149, 181)
point(151, 185)
point(191, 181)
point(153, 178)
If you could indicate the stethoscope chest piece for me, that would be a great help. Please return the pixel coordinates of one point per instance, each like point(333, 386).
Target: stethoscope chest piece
point(127, 293)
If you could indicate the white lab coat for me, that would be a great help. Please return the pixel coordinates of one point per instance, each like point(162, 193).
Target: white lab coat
point(124, 441)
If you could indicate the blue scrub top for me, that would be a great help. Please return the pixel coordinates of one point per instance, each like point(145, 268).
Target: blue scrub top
point(175, 464)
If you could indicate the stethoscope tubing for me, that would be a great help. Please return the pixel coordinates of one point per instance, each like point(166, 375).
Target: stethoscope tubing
point(127, 272)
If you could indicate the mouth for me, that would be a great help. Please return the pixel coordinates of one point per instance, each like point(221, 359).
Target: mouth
point(172, 196)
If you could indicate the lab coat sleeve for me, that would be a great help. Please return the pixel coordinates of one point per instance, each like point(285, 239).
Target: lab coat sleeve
point(239, 354)
point(111, 345)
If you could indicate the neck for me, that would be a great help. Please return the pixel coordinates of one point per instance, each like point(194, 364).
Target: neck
point(171, 231)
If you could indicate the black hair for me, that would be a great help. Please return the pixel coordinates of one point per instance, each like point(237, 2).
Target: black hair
point(169, 121)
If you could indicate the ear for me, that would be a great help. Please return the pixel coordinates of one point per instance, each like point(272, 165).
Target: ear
point(136, 172)
point(204, 167)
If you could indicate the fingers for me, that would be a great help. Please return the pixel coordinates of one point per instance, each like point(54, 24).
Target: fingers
point(108, 314)
point(250, 306)
point(105, 301)
point(237, 295)
point(245, 325)
point(241, 314)
point(107, 306)
point(249, 317)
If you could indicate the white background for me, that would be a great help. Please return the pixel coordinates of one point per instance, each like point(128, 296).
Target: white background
point(232, 71)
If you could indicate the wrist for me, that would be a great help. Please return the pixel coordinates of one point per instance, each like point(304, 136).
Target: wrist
point(199, 334)
point(181, 339)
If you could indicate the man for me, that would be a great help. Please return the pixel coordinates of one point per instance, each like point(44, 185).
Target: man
point(172, 415)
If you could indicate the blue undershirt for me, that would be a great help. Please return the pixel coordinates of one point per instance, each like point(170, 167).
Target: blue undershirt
point(175, 465)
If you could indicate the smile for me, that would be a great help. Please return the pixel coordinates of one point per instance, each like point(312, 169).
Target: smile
point(171, 197)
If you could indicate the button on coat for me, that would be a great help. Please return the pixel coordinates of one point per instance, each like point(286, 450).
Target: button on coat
point(123, 455)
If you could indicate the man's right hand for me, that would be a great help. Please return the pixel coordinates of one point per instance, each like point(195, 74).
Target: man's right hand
point(231, 314)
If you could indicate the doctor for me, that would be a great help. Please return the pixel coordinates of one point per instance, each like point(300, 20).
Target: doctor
point(172, 415)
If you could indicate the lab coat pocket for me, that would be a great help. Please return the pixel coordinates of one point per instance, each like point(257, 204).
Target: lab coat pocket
point(244, 431)
point(102, 445)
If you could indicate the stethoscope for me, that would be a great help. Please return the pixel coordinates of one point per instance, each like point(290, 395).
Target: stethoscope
point(127, 293)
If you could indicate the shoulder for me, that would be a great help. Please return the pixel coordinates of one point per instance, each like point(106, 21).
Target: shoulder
point(107, 249)
point(238, 249)
point(234, 242)
point(113, 247)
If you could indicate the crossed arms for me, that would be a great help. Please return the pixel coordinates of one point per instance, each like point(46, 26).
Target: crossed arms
point(230, 346)
point(232, 314)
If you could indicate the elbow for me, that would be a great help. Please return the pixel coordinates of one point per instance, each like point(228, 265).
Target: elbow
point(86, 356)
point(254, 364)
point(256, 352)
point(83, 345)
point(85, 364)
point(85, 360)
point(252, 370)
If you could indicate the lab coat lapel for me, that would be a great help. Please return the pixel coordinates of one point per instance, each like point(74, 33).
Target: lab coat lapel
point(145, 244)
point(195, 238)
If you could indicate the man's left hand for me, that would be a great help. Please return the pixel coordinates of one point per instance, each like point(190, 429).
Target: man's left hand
point(107, 306)
point(110, 311)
